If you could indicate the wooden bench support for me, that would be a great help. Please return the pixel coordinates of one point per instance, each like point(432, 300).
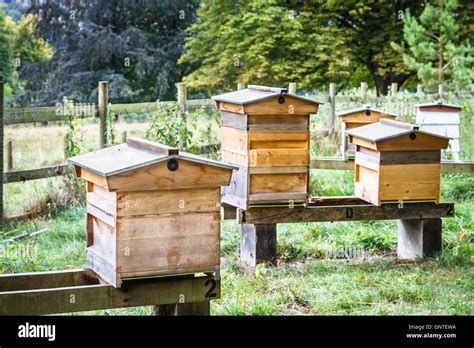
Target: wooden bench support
point(418, 238)
point(184, 309)
point(258, 243)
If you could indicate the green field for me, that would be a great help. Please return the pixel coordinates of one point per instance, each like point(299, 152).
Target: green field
point(307, 279)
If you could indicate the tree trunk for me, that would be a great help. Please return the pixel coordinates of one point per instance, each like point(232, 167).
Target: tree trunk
point(382, 83)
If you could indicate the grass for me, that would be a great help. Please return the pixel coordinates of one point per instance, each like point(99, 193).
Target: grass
point(312, 275)
point(307, 278)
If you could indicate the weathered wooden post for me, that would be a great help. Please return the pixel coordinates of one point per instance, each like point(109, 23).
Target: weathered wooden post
point(394, 89)
point(419, 89)
point(292, 88)
point(103, 103)
point(418, 238)
point(1, 152)
point(9, 156)
point(240, 86)
point(363, 91)
point(332, 109)
point(441, 91)
point(472, 89)
point(124, 136)
point(182, 99)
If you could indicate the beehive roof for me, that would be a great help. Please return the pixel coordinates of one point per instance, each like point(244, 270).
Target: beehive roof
point(128, 156)
point(257, 93)
point(386, 129)
point(438, 103)
point(347, 112)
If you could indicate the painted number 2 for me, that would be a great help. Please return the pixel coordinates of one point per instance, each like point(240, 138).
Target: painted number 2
point(210, 293)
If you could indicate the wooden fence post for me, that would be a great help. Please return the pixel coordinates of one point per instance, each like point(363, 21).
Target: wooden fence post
point(124, 136)
point(9, 156)
point(182, 98)
point(240, 86)
point(472, 89)
point(103, 106)
point(440, 91)
point(332, 109)
point(394, 89)
point(1, 152)
point(419, 89)
point(363, 91)
point(292, 88)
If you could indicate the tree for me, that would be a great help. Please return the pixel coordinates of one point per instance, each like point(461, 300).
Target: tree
point(28, 47)
point(312, 42)
point(433, 48)
point(134, 45)
point(7, 64)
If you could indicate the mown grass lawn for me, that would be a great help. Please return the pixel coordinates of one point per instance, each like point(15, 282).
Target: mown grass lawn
point(306, 280)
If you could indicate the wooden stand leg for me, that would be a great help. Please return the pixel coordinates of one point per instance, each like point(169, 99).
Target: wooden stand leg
point(257, 243)
point(184, 309)
point(418, 238)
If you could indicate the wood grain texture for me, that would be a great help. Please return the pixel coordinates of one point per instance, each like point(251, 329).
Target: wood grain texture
point(234, 140)
point(267, 183)
point(272, 106)
point(362, 118)
point(159, 177)
point(197, 200)
point(168, 244)
point(404, 143)
point(346, 212)
point(234, 120)
point(152, 146)
point(278, 158)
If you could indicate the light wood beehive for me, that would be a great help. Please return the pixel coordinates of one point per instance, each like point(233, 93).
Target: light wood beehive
point(358, 117)
point(151, 210)
point(265, 131)
point(396, 161)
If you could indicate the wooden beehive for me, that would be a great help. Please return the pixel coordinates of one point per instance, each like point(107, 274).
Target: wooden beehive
point(151, 210)
point(442, 119)
point(357, 117)
point(265, 131)
point(396, 161)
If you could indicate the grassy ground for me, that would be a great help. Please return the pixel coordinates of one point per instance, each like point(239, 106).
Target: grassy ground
point(308, 279)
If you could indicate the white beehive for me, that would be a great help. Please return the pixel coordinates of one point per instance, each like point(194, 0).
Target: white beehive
point(441, 119)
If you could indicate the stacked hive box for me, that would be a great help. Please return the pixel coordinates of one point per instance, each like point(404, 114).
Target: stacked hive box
point(442, 119)
point(353, 118)
point(395, 162)
point(151, 210)
point(265, 131)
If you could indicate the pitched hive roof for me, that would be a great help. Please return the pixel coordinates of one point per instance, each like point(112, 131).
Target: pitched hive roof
point(386, 129)
point(133, 154)
point(347, 112)
point(257, 93)
point(438, 103)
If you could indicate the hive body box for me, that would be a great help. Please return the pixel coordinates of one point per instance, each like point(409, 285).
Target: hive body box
point(442, 119)
point(353, 118)
point(396, 162)
point(151, 210)
point(265, 132)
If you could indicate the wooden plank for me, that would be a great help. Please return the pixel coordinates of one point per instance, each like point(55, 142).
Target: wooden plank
point(153, 146)
point(363, 118)
point(293, 119)
point(334, 200)
point(100, 214)
point(34, 174)
point(198, 200)
point(102, 296)
point(278, 157)
point(290, 105)
point(234, 120)
point(234, 158)
point(234, 140)
point(46, 280)
point(346, 213)
point(168, 244)
point(258, 243)
point(229, 212)
point(106, 205)
point(104, 240)
point(271, 183)
point(412, 157)
point(159, 177)
point(235, 108)
point(404, 142)
point(276, 126)
point(105, 269)
point(284, 197)
point(409, 182)
point(238, 185)
point(94, 178)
